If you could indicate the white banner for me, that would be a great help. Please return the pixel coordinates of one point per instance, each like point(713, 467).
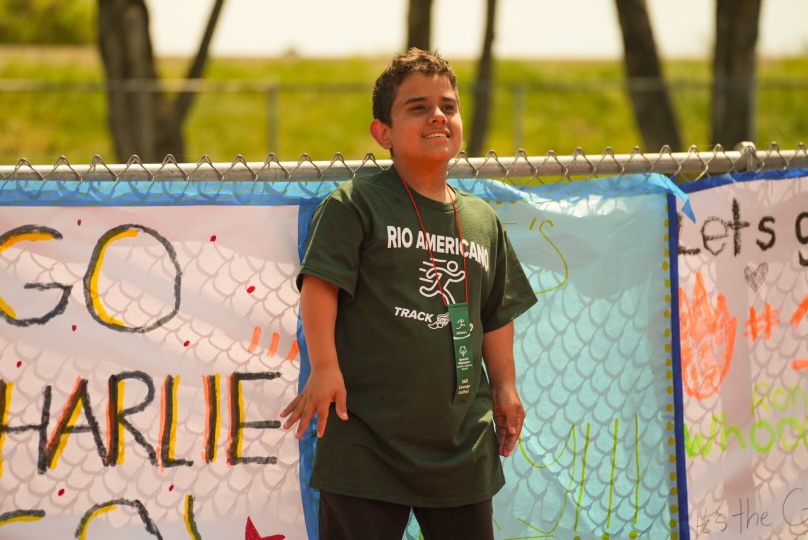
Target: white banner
point(743, 300)
point(144, 371)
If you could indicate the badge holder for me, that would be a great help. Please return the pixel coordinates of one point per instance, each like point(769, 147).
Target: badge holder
point(461, 336)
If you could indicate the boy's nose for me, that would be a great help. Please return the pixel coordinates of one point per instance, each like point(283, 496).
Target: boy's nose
point(438, 116)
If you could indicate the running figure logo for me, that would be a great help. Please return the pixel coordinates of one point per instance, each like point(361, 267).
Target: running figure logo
point(448, 272)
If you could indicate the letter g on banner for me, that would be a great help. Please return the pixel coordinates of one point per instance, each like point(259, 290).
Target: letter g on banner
point(92, 296)
point(33, 233)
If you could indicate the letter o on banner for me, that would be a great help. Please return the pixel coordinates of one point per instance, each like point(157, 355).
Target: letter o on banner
point(91, 294)
point(757, 426)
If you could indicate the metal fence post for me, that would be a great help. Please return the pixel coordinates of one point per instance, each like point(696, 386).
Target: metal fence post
point(272, 119)
point(519, 97)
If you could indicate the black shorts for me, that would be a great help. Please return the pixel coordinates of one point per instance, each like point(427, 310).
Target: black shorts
point(352, 518)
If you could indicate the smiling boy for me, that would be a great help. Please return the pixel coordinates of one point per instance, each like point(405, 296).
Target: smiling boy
point(409, 287)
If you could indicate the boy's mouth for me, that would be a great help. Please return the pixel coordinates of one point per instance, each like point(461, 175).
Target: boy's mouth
point(437, 135)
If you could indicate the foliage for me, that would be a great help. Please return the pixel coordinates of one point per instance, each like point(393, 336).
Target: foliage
point(47, 21)
point(567, 105)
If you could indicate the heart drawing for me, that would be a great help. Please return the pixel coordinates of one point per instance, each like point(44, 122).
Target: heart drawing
point(756, 277)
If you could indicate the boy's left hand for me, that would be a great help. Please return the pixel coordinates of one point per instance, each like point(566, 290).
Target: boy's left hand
point(509, 415)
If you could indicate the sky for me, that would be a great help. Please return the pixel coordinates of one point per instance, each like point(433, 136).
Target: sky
point(525, 28)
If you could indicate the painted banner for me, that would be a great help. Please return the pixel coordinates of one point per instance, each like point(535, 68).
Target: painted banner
point(743, 309)
point(150, 337)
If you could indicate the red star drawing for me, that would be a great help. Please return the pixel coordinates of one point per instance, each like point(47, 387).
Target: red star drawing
point(251, 533)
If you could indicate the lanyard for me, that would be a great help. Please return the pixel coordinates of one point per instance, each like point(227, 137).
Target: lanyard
point(458, 313)
point(429, 248)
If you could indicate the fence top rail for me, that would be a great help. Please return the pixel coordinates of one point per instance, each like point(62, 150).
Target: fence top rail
point(693, 163)
point(247, 87)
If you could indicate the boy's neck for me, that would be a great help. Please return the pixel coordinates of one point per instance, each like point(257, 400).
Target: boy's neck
point(427, 181)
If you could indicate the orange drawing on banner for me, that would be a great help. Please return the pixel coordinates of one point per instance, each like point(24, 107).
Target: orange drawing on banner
point(764, 321)
point(799, 364)
point(273, 346)
point(802, 309)
point(294, 348)
point(256, 336)
point(708, 339)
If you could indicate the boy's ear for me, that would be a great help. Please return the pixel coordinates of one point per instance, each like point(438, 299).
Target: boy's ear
point(379, 131)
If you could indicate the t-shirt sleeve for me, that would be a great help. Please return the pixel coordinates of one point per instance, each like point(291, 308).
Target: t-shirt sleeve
point(335, 240)
point(511, 293)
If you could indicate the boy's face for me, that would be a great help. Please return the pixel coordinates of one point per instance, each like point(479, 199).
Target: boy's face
point(425, 117)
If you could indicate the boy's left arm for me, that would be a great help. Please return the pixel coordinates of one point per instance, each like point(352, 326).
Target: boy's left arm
point(509, 415)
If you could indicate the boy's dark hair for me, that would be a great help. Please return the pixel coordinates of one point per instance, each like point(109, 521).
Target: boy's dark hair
point(403, 65)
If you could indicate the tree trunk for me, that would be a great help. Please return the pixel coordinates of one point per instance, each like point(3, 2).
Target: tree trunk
point(736, 36)
point(484, 84)
point(142, 120)
point(653, 111)
point(134, 99)
point(197, 68)
point(419, 24)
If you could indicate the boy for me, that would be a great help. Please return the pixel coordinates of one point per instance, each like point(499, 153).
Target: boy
point(407, 287)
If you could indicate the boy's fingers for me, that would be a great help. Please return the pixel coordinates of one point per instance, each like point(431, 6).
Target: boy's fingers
point(303, 409)
point(305, 414)
point(291, 406)
point(510, 442)
point(508, 428)
point(342, 405)
point(513, 427)
point(292, 420)
point(293, 412)
point(503, 438)
point(322, 418)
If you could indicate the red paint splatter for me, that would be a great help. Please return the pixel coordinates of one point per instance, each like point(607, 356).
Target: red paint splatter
point(61, 492)
point(73, 327)
point(250, 289)
point(171, 487)
point(186, 343)
point(78, 223)
point(251, 533)
point(19, 363)
point(213, 238)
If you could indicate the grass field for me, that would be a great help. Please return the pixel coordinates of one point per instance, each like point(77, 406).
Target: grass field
point(562, 105)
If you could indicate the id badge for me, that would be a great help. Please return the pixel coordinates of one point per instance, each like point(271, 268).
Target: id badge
point(464, 357)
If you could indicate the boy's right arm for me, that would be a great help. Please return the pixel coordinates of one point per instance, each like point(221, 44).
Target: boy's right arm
point(318, 305)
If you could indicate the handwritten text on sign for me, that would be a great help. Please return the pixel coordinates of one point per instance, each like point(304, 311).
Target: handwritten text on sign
point(134, 374)
point(743, 296)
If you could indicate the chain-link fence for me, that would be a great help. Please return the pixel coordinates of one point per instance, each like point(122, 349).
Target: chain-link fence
point(521, 168)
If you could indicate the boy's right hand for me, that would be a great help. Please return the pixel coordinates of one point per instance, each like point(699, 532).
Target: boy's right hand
point(324, 387)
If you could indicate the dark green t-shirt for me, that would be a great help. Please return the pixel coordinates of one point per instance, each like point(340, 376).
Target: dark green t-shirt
point(406, 441)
